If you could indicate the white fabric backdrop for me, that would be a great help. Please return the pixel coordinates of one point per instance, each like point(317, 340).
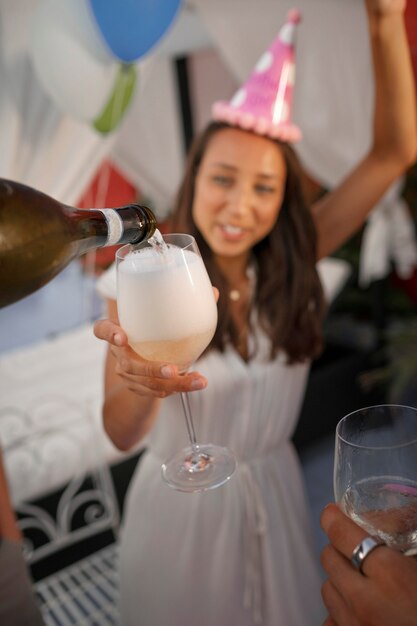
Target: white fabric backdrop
point(42, 146)
point(39, 145)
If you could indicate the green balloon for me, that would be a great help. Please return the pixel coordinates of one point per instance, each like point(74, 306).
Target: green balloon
point(119, 100)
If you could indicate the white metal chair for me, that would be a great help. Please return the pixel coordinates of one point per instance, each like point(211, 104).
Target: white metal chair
point(63, 495)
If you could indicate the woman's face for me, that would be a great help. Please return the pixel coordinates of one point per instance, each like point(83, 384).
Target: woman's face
point(238, 192)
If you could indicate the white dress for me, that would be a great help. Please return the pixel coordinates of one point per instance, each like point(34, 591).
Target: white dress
point(243, 553)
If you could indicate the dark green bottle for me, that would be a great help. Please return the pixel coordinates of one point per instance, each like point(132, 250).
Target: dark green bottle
point(39, 236)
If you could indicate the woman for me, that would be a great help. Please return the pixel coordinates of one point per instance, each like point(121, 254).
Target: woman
point(242, 554)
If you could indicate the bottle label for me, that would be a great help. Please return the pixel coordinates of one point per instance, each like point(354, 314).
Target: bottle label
point(115, 226)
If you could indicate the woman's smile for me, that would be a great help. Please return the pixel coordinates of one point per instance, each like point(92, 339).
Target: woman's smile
point(232, 233)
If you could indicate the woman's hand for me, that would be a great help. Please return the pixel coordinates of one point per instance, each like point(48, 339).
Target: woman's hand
point(142, 377)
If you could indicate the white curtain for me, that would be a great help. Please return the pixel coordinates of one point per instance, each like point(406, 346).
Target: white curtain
point(149, 147)
point(39, 145)
point(44, 147)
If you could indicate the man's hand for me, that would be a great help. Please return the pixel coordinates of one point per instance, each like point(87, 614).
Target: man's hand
point(384, 596)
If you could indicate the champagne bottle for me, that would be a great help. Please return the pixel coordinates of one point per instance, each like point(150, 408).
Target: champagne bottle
point(39, 236)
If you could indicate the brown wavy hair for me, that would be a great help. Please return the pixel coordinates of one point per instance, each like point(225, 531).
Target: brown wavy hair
point(289, 299)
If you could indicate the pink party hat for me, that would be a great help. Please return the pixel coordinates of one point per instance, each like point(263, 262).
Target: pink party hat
point(263, 103)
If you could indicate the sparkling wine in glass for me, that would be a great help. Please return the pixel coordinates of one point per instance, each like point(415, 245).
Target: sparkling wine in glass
point(167, 308)
point(375, 472)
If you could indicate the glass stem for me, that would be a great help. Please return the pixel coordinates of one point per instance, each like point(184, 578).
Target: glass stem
point(189, 420)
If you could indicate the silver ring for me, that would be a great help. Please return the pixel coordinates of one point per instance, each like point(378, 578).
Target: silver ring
point(362, 550)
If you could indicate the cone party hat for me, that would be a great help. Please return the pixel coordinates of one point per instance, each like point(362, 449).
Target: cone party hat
point(263, 103)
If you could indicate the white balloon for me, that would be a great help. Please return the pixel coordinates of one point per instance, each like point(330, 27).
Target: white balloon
point(70, 60)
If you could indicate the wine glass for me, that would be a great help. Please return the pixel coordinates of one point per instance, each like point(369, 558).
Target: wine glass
point(167, 308)
point(375, 472)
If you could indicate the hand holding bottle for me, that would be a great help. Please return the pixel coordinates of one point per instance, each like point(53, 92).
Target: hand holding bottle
point(385, 7)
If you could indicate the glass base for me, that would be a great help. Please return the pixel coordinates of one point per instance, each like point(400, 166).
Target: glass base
point(205, 467)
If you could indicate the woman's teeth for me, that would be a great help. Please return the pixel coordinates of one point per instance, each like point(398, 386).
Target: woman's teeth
point(232, 230)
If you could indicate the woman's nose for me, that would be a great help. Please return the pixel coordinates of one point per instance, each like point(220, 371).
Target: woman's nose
point(240, 200)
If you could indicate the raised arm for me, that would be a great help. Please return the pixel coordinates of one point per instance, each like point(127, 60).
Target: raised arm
point(8, 525)
point(342, 211)
point(17, 600)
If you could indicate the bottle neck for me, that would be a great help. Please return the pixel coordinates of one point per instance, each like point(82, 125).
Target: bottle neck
point(107, 227)
point(139, 223)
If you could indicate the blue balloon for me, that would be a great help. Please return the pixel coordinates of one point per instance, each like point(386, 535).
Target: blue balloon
point(132, 27)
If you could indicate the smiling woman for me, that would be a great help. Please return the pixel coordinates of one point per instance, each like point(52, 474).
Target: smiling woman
point(248, 210)
point(247, 544)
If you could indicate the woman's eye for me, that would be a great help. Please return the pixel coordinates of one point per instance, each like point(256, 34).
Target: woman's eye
point(264, 189)
point(224, 181)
